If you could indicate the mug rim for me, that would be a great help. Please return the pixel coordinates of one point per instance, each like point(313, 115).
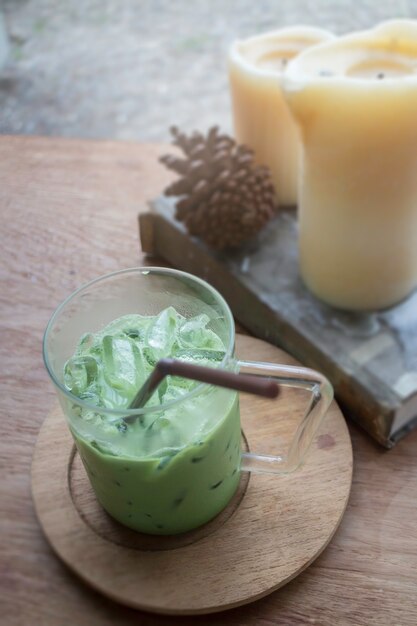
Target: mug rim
point(118, 413)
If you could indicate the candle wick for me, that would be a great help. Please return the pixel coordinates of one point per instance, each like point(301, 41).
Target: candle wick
point(325, 73)
point(380, 75)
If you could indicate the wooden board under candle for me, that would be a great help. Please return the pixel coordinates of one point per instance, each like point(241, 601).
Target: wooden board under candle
point(370, 358)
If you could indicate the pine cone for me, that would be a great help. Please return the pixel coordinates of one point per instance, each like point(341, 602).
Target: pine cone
point(224, 197)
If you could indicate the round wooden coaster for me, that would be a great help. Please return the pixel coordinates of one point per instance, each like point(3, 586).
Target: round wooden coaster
point(271, 531)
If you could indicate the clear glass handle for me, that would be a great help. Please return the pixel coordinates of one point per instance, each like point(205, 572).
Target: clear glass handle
point(321, 398)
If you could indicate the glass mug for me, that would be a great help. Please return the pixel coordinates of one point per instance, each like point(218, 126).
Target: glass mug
point(154, 492)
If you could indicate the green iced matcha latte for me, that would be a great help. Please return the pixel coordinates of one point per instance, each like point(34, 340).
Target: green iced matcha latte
point(176, 465)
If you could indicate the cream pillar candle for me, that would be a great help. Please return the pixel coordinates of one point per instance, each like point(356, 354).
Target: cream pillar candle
point(355, 101)
point(261, 116)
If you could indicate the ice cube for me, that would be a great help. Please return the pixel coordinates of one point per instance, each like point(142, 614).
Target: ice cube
point(208, 358)
point(195, 334)
point(164, 434)
point(85, 344)
point(123, 364)
point(79, 373)
point(175, 388)
point(161, 334)
point(151, 356)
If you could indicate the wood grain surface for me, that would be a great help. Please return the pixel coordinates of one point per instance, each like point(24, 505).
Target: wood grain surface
point(69, 213)
point(278, 526)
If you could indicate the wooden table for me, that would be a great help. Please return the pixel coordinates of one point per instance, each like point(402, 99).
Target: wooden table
point(69, 213)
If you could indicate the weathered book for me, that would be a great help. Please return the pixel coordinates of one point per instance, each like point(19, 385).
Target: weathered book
point(370, 358)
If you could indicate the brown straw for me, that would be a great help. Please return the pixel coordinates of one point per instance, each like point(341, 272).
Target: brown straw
point(219, 377)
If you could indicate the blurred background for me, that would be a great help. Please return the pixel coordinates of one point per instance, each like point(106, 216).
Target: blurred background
point(128, 69)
